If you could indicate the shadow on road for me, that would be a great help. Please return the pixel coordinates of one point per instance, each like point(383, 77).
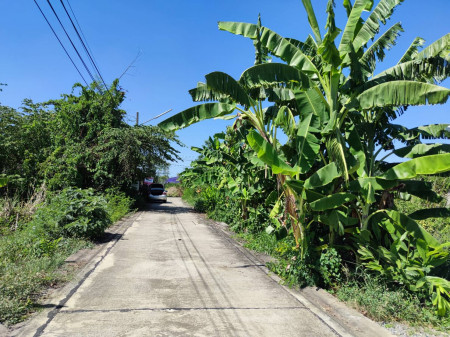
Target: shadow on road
point(168, 208)
point(108, 237)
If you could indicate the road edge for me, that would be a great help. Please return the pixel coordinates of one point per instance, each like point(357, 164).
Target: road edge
point(91, 258)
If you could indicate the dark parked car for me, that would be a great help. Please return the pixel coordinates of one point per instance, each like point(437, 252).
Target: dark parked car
point(157, 193)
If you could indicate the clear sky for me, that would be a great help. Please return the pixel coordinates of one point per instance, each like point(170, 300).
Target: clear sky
point(179, 43)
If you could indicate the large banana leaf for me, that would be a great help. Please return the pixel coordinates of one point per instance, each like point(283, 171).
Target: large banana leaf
point(312, 101)
point(439, 47)
point(420, 150)
point(312, 20)
point(249, 30)
point(332, 201)
point(371, 27)
point(323, 176)
point(412, 227)
point(398, 93)
point(412, 51)
point(376, 183)
point(433, 131)
point(224, 83)
point(268, 154)
point(273, 73)
point(435, 68)
point(327, 49)
point(279, 94)
point(308, 144)
point(350, 28)
point(420, 189)
point(282, 48)
point(337, 220)
point(423, 214)
point(376, 50)
point(433, 164)
point(196, 114)
point(356, 149)
point(205, 94)
point(309, 47)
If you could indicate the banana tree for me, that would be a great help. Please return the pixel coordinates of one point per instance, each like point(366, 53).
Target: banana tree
point(355, 107)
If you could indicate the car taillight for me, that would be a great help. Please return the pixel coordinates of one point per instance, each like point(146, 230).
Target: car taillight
point(165, 192)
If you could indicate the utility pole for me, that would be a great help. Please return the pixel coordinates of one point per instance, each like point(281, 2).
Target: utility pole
point(137, 118)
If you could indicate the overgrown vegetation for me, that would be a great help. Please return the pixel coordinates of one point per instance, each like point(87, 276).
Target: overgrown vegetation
point(306, 159)
point(67, 167)
point(33, 252)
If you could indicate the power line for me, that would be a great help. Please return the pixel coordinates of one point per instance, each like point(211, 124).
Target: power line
point(68, 55)
point(79, 27)
point(157, 116)
point(84, 45)
point(73, 45)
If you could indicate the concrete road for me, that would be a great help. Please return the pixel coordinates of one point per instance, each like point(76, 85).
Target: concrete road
point(173, 274)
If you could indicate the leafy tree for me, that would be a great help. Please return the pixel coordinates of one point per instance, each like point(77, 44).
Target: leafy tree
point(80, 140)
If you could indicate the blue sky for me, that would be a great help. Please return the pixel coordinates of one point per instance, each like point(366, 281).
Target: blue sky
point(179, 43)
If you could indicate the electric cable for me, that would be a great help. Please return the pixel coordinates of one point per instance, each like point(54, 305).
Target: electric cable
point(68, 55)
point(81, 31)
point(83, 44)
point(73, 45)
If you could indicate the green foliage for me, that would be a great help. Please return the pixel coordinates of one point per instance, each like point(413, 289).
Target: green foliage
point(28, 265)
point(80, 140)
point(294, 270)
point(386, 303)
point(32, 253)
point(74, 213)
point(333, 188)
point(437, 226)
point(330, 265)
point(118, 204)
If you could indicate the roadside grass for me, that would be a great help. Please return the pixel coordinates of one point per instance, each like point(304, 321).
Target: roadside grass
point(260, 242)
point(33, 251)
point(189, 195)
point(24, 275)
point(378, 301)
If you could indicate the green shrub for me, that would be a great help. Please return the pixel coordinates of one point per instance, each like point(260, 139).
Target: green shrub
point(73, 213)
point(330, 265)
point(118, 203)
point(189, 195)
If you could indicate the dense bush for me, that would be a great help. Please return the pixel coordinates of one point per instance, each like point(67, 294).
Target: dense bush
point(118, 203)
point(73, 213)
point(32, 253)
